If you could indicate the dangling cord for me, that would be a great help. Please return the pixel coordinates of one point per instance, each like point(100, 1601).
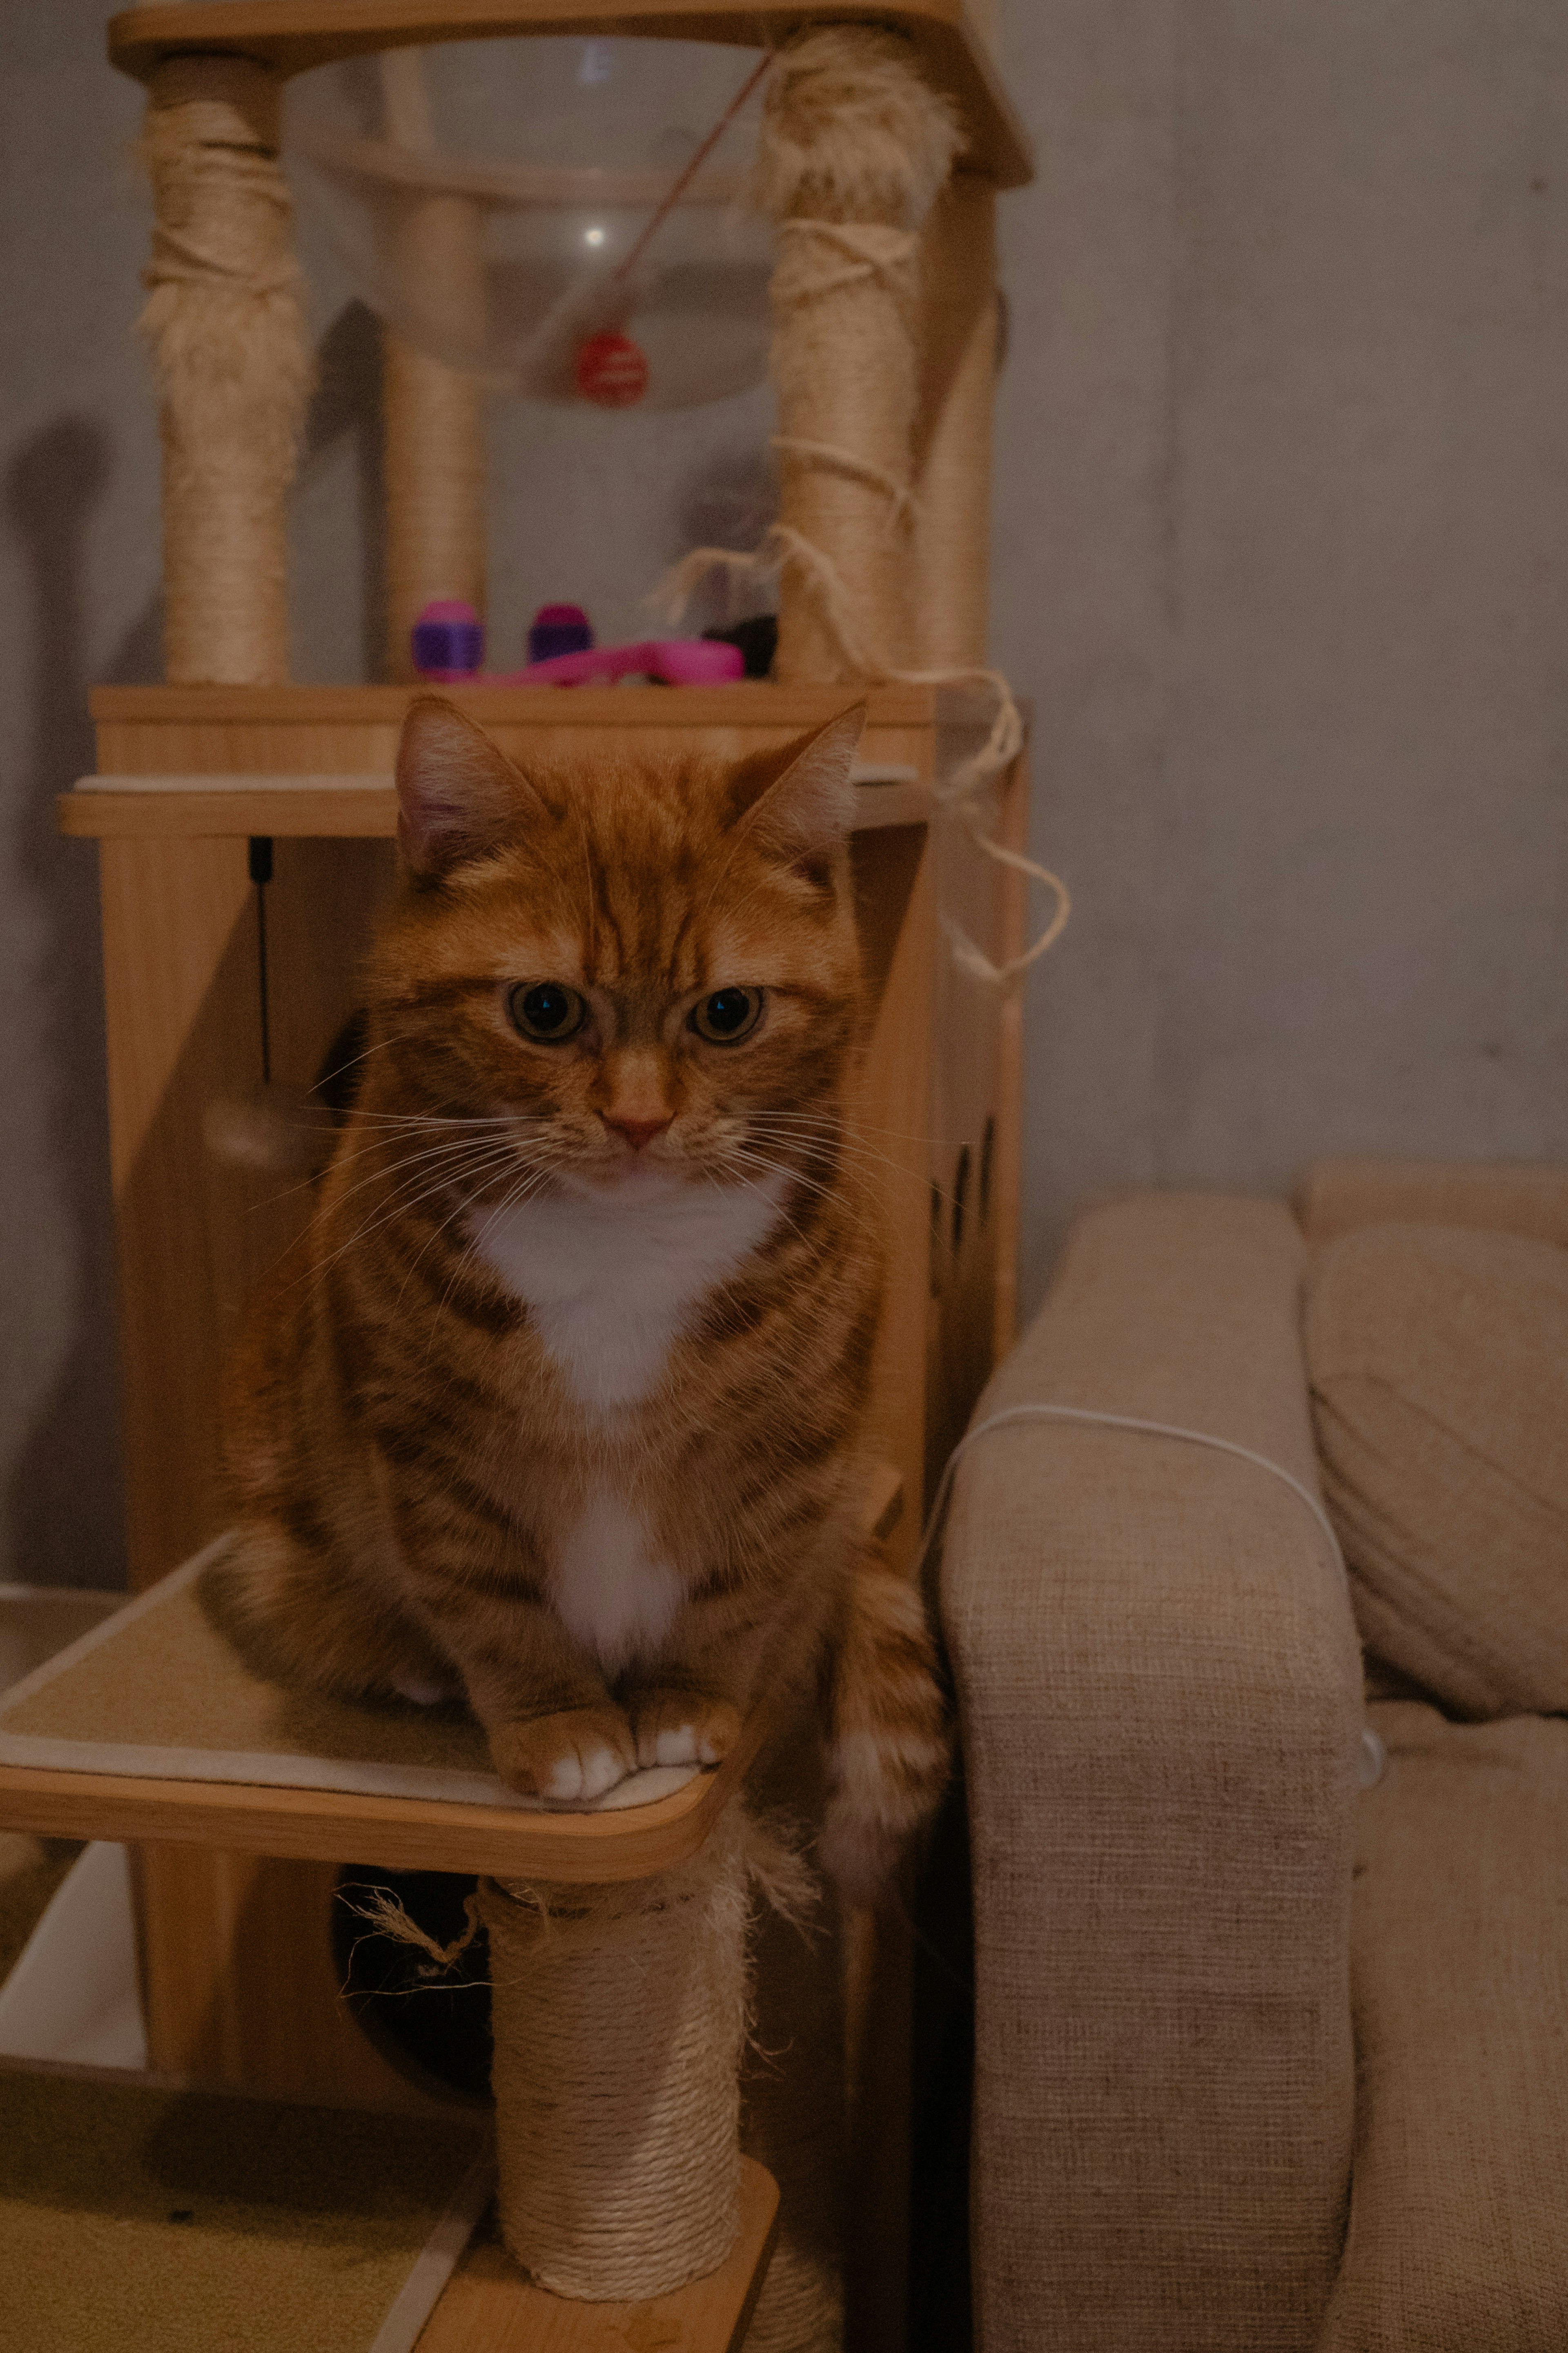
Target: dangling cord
point(693, 165)
point(260, 867)
point(1372, 1756)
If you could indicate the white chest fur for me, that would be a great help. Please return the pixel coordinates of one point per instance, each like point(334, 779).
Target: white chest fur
point(612, 1598)
point(611, 1278)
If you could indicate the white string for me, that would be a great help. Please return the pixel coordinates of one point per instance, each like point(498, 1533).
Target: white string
point(1122, 1421)
point(782, 546)
point(1372, 1755)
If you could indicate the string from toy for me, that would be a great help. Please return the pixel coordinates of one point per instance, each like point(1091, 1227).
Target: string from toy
point(694, 164)
point(782, 548)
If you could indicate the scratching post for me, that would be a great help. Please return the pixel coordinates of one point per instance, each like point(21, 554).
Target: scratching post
point(223, 324)
point(434, 425)
point(619, 2020)
point(855, 147)
point(959, 323)
point(433, 415)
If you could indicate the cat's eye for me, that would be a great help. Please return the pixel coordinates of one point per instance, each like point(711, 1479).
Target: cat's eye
point(728, 1016)
point(546, 1011)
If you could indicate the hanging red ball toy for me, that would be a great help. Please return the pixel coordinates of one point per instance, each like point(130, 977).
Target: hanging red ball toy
point(611, 371)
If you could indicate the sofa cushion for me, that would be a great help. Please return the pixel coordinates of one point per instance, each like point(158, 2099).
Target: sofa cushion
point(1439, 1362)
point(1515, 1197)
point(1459, 1987)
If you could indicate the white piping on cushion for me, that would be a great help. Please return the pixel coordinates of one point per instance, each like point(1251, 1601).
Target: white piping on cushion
point(1373, 1755)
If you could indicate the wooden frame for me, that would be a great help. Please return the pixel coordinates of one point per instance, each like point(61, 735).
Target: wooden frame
point(291, 36)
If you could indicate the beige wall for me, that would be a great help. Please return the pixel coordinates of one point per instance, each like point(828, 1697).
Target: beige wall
point(1282, 539)
point(1283, 557)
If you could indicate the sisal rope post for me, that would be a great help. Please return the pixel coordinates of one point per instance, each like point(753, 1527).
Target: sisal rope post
point(433, 415)
point(619, 2017)
point(854, 146)
point(223, 324)
point(959, 322)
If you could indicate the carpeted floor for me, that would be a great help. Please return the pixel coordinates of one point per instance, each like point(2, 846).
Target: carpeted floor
point(192, 2222)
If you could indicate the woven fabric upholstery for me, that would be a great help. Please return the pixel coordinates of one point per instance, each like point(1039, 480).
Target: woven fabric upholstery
point(1160, 1696)
point(1460, 1979)
point(1439, 1360)
point(1519, 1197)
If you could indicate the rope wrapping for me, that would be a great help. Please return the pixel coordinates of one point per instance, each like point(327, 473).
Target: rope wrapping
point(619, 2016)
point(854, 148)
point(225, 330)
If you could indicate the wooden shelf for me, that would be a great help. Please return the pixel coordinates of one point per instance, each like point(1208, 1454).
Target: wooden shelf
point(752, 703)
point(292, 35)
point(183, 761)
point(395, 1833)
point(321, 808)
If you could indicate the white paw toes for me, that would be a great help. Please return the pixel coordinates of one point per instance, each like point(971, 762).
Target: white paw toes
point(676, 1744)
point(584, 1775)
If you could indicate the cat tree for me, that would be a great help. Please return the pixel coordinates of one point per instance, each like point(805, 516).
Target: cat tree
point(885, 139)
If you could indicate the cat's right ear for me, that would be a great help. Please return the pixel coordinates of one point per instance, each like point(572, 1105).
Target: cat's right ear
point(458, 798)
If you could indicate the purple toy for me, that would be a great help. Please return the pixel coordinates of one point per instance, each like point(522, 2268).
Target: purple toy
point(449, 648)
point(449, 642)
point(559, 629)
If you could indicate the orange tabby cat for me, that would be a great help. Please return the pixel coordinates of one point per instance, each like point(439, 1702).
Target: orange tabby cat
point(566, 1416)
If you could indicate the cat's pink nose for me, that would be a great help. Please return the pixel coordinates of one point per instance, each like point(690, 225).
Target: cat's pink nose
point(638, 1132)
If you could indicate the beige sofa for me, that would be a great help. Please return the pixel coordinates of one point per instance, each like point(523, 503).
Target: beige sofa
point(1263, 2060)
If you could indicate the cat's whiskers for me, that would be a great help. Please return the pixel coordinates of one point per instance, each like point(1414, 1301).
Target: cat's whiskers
point(401, 1205)
point(530, 1180)
point(852, 1124)
point(847, 1147)
point(341, 1153)
point(826, 1192)
point(454, 1147)
point(754, 1184)
point(405, 1204)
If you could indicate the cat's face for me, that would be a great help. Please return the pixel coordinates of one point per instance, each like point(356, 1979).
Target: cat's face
point(631, 976)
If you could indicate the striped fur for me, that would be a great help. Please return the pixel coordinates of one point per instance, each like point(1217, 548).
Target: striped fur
point(561, 1409)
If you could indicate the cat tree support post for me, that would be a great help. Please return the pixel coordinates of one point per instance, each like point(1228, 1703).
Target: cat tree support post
point(224, 323)
point(619, 2019)
point(433, 414)
point(960, 317)
point(855, 147)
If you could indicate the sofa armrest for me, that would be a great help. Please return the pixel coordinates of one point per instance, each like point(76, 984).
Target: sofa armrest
point(1160, 1697)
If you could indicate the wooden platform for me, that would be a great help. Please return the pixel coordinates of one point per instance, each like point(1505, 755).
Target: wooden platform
point(491, 2308)
point(293, 35)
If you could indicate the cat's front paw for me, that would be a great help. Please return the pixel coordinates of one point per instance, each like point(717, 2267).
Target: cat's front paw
point(683, 1728)
point(570, 1758)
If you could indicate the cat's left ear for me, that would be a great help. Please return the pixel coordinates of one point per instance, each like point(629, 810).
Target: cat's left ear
point(457, 796)
point(805, 814)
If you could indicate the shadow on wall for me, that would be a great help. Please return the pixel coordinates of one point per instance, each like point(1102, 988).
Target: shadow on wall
point(63, 1502)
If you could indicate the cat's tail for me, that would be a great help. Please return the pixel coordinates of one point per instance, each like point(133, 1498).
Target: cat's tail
point(890, 1746)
